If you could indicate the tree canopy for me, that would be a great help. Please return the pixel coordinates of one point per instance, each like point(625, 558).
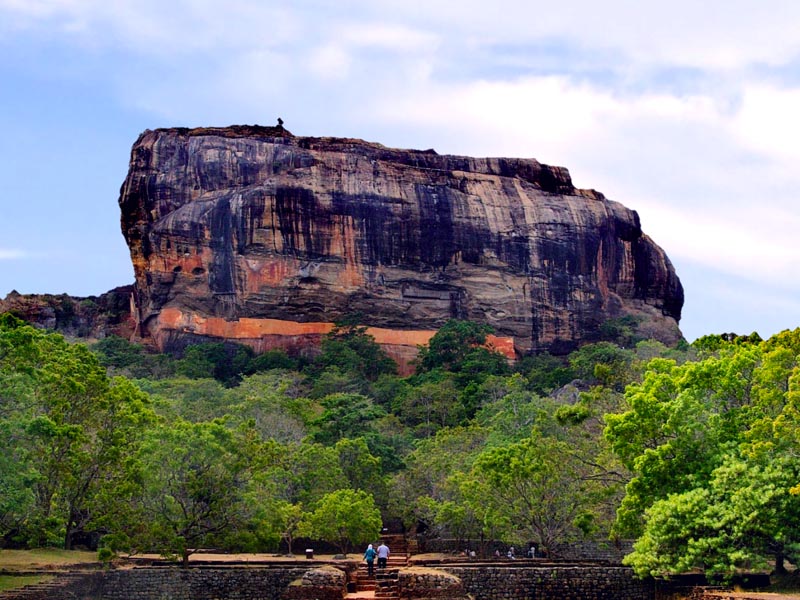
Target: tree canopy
point(689, 451)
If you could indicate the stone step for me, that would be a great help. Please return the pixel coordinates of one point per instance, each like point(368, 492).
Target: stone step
point(355, 595)
point(36, 591)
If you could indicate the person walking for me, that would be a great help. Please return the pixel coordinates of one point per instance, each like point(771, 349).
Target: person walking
point(369, 556)
point(383, 555)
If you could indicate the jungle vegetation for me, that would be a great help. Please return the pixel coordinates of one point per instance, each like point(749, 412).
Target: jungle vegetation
point(694, 452)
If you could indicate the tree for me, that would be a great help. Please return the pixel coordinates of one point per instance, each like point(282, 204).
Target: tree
point(72, 428)
point(603, 363)
point(193, 400)
point(274, 401)
point(345, 415)
point(194, 477)
point(305, 472)
point(712, 447)
point(545, 372)
point(744, 514)
point(431, 404)
point(424, 484)
point(345, 517)
point(288, 518)
point(362, 469)
point(454, 341)
point(224, 361)
point(352, 350)
point(681, 420)
point(539, 488)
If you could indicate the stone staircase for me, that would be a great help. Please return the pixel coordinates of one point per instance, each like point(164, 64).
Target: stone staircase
point(383, 585)
point(46, 590)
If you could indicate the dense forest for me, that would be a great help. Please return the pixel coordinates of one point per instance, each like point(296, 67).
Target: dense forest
point(691, 451)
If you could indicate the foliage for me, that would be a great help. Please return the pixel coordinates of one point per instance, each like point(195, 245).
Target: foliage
point(275, 403)
point(539, 488)
point(713, 343)
point(193, 479)
point(349, 348)
point(345, 416)
point(347, 517)
point(454, 347)
point(122, 357)
point(691, 450)
point(226, 362)
point(192, 400)
point(711, 445)
point(545, 372)
point(71, 429)
point(362, 469)
point(603, 363)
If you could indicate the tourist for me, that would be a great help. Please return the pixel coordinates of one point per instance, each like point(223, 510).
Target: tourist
point(369, 556)
point(383, 555)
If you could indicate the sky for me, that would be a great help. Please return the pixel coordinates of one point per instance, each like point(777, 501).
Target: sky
point(686, 112)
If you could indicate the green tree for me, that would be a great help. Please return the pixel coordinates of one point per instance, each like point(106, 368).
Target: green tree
point(744, 514)
point(305, 472)
point(196, 400)
point(225, 361)
point(122, 357)
point(545, 372)
point(345, 416)
point(451, 344)
point(72, 430)
point(681, 420)
point(711, 445)
point(194, 478)
point(351, 349)
point(345, 517)
point(603, 363)
point(424, 484)
point(540, 488)
point(362, 469)
point(275, 402)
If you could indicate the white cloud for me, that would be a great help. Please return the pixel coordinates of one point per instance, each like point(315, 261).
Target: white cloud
point(330, 61)
point(667, 108)
point(768, 122)
point(12, 254)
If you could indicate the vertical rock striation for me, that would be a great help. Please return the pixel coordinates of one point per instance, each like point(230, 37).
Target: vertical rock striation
point(252, 234)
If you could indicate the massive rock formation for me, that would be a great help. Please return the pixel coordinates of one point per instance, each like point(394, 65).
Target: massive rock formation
point(251, 234)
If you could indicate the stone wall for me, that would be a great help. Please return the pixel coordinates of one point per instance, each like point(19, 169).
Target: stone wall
point(206, 583)
point(552, 583)
point(419, 583)
point(298, 582)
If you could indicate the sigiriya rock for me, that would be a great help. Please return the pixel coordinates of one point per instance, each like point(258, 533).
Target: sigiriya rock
point(251, 234)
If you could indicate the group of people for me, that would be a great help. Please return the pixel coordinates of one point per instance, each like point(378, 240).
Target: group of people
point(512, 553)
point(382, 553)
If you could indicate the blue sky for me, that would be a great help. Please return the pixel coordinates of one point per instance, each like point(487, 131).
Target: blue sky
point(686, 112)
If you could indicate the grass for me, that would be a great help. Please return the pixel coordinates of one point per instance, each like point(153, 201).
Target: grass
point(43, 558)
point(12, 582)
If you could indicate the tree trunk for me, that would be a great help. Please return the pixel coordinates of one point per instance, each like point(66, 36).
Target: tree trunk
point(780, 567)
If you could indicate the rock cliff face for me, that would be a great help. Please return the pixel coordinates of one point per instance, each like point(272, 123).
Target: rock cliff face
point(92, 317)
point(251, 234)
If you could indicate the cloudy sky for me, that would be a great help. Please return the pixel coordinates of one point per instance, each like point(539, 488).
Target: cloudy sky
point(685, 111)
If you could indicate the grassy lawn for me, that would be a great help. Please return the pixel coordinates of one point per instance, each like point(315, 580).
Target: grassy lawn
point(11, 582)
point(23, 560)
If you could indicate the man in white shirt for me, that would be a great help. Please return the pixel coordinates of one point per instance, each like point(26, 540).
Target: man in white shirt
point(383, 555)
